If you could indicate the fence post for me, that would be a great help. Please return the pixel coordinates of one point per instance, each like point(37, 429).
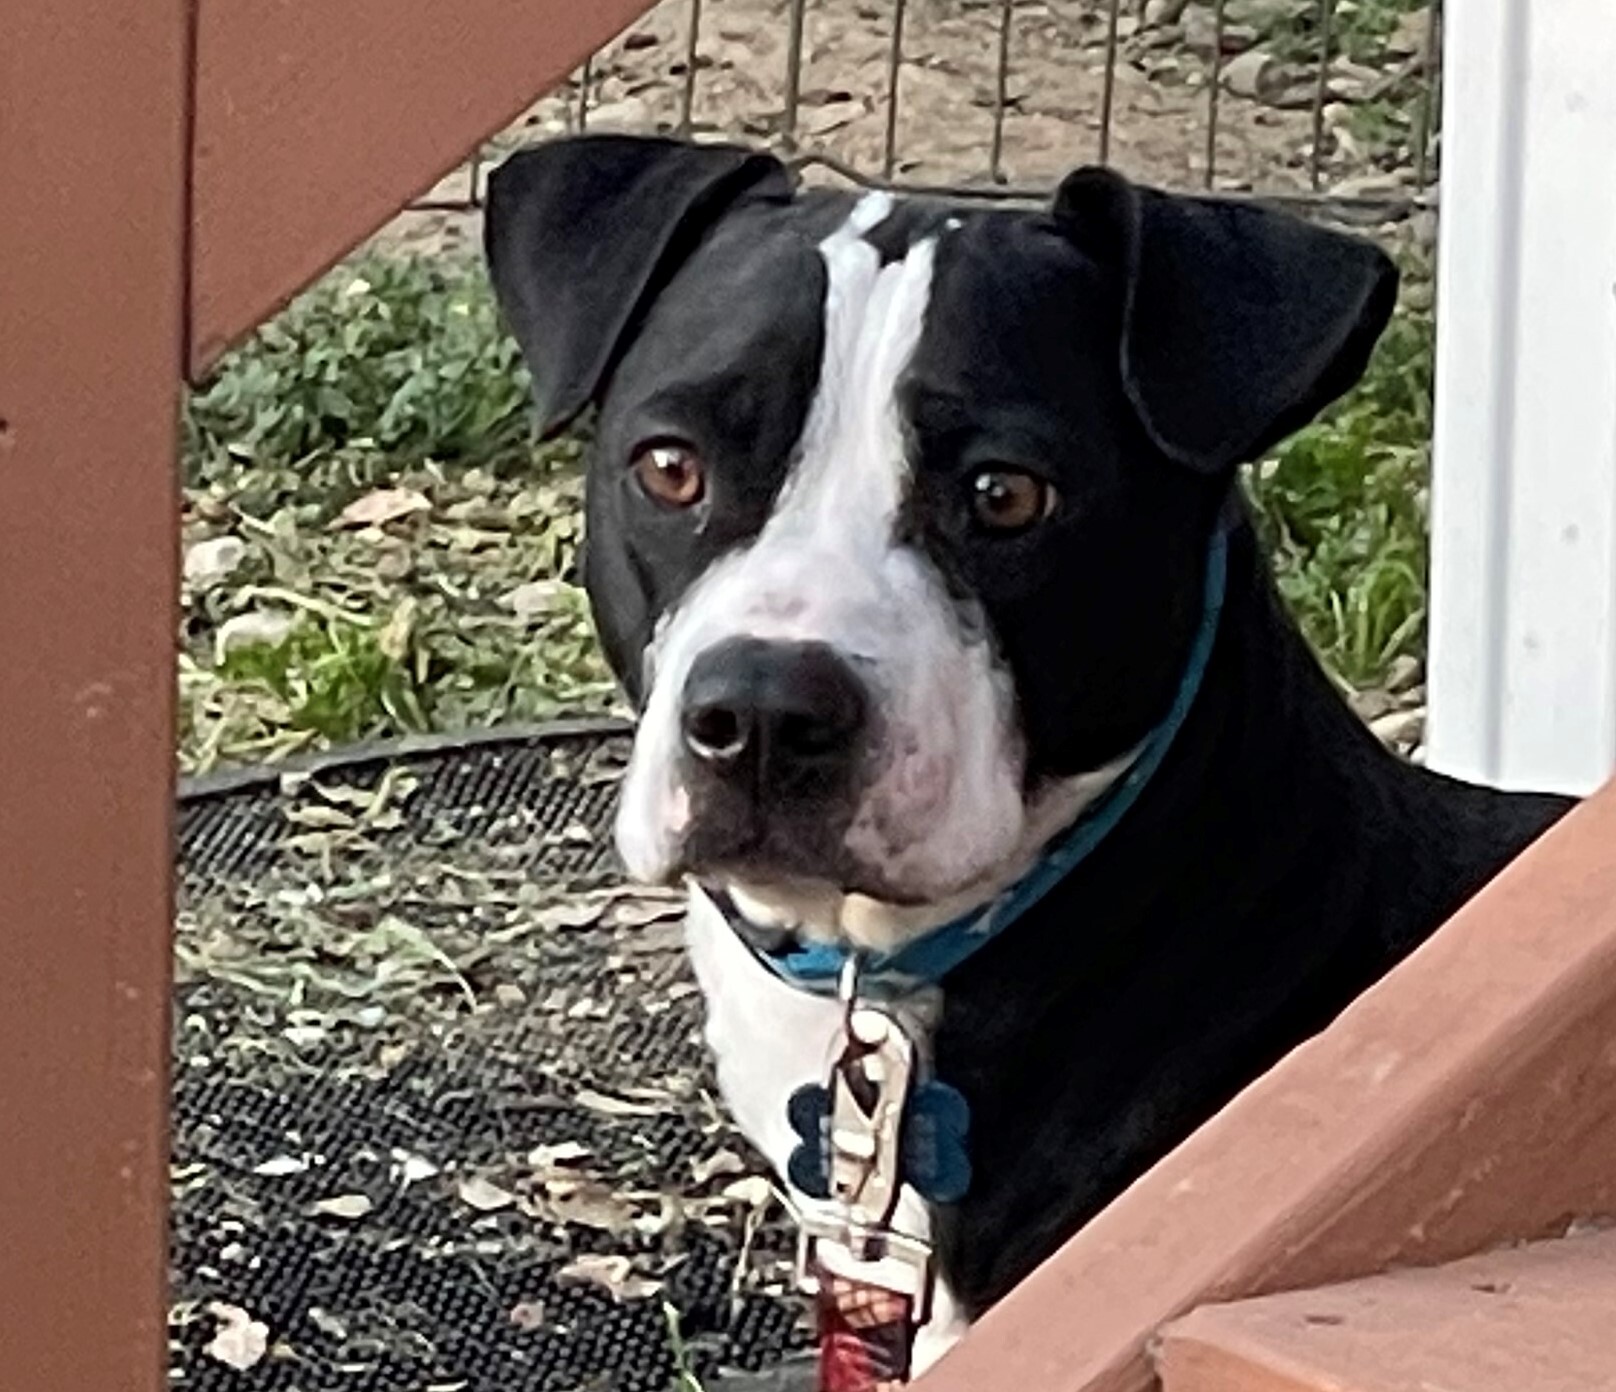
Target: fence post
point(1523, 623)
point(93, 120)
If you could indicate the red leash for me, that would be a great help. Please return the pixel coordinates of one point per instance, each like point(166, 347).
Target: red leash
point(866, 1337)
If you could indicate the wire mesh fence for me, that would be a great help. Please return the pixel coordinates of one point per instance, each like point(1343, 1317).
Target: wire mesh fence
point(1323, 103)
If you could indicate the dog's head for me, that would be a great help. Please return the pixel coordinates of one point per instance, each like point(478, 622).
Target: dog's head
point(897, 512)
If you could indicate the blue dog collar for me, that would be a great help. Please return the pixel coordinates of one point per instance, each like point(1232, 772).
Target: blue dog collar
point(817, 967)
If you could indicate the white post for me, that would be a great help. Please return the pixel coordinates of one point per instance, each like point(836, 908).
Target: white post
point(1522, 664)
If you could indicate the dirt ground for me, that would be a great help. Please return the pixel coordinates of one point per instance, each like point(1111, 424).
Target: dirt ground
point(1055, 90)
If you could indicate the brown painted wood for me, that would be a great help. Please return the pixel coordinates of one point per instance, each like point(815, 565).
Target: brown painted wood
point(1468, 1099)
point(316, 120)
point(1539, 1317)
point(93, 101)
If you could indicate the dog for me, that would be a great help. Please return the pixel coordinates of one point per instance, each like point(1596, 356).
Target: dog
point(914, 536)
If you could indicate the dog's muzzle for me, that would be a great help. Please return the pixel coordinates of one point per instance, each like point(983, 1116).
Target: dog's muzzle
point(773, 740)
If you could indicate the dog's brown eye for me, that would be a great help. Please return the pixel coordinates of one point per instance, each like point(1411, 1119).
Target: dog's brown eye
point(1008, 500)
point(671, 474)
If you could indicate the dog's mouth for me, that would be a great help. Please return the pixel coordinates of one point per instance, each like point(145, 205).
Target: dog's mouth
point(791, 869)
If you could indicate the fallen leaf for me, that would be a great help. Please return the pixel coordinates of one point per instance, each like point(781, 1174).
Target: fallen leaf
point(410, 1169)
point(260, 628)
point(571, 915)
point(754, 1191)
point(240, 1341)
point(484, 1195)
point(209, 562)
point(281, 1166)
point(588, 1205)
point(610, 1106)
point(723, 1162)
point(383, 506)
point(395, 637)
point(562, 1153)
point(642, 913)
point(327, 1323)
point(614, 1275)
point(528, 1314)
point(535, 599)
point(349, 1206)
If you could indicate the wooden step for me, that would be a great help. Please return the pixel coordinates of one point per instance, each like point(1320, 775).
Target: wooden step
point(1534, 1319)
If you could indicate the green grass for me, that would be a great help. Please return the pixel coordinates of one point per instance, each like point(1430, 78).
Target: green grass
point(1342, 506)
point(462, 609)
point(1359, 29)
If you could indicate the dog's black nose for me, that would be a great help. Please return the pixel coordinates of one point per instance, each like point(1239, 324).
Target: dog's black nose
point(790, 716)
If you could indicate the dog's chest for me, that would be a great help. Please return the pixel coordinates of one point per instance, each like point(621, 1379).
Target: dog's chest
point(767, 1040)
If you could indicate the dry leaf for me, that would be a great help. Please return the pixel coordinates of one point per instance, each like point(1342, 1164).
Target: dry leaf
point(383, 506)
point(724, 1162)
point(412, 1168)
point(754, 1191)
point(254, 629)
point(535, 599)
point(394, 640)
point(484, 1195)
point(562, 1153)
point(528, 1314)
point(240, 1341)
point(610, 1106)
point(349, 1206)
point(588, 1205)
point(573, 914)
point(643, 912)
point(614, 1275)
point(209, 562)
point(281, 1166)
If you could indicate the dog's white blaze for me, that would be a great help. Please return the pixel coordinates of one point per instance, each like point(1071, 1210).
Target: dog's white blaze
point(944, 807)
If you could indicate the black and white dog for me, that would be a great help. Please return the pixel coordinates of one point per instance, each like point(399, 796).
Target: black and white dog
point(913, 533)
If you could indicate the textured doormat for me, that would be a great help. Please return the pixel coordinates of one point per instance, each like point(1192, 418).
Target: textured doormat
point(443, 1120)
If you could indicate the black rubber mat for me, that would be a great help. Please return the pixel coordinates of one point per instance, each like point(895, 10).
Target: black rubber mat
point(442, 1114)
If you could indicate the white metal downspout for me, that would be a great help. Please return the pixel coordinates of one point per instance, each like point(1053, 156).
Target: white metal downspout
point(1522, 663)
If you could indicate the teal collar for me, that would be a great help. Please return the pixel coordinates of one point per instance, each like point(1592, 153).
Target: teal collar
point(817, 967)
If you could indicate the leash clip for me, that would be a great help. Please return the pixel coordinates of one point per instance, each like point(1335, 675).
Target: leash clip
point(850, 1237)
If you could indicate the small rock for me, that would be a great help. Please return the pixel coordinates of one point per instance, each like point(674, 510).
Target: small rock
point(1370, 186)
point(1404, 672)
point(630, 114)
point(1400, 729)
point(1372, 704)
point(1411, 34)
point(535, 599)
point(1253, 74)
point(260, 628)
point(1422, 228)
point(1159, 12)
point(209, 562)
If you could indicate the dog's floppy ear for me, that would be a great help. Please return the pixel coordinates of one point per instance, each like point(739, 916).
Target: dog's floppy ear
point(582, 233)
point(1239, 324)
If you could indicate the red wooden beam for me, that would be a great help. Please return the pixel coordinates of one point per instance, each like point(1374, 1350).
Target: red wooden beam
point(1530, 1319)
point(316, 120)
point(93, 102)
